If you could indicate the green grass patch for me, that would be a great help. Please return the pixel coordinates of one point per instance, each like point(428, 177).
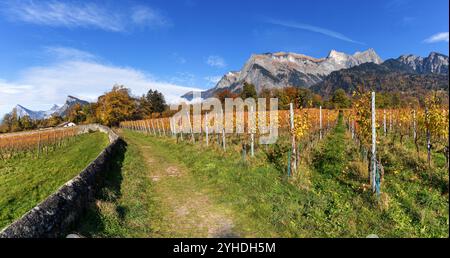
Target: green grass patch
point(266, 204)
point(125, 206)
point(327, 198)
point(25, 182)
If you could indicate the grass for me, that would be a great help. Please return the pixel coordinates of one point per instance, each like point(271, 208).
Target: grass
point(125, 206)
point(327, 198)
point(409, 205)
point(150, 195)
point(336, 204)
point(25, 182)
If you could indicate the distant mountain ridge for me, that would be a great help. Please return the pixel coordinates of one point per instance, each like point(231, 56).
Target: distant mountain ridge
point(62, 111)
point(281, 69)
point(407, 74)
point(434, 63)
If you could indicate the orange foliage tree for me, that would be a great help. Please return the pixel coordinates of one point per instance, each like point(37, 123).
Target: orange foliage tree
point(115, 106)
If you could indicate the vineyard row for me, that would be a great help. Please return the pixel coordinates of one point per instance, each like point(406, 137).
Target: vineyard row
point(35, 143)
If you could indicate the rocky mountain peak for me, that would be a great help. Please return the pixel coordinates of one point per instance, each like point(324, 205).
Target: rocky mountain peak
point(434, 63)
point(335, 54)
point(368, 56)
point(21, 111)
point(72, 99)
point(283, 69)
point(338, 57)
point(55, 107)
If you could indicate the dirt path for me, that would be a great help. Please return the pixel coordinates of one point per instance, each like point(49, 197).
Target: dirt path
point(186, 208)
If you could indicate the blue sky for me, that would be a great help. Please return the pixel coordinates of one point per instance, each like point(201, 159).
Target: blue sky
point(50, 49)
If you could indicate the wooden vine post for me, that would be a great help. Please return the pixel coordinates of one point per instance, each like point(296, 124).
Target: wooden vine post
point(159, 128)
point(174, 126)
point(217, 131)
point(390, 120)
point(293, 155)
point(152, 127)
point(207, 129)
point(223, 139)
point(328, 120)
point(427, 121)
point(174, 129)
point(54, 140)
point(252, 133)
point(162, 125)
point(47, 144)
point(148, 127)
point(414, 126)
point(39, 144)
point(190, 126)
point(384, 122)
point(181, 131)
point(374, 144)
point(320, 123)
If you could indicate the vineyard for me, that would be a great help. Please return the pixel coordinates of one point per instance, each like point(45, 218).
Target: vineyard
point(330, 173)
point(34, 165)
point(36, 143)
point(376, 133)
point(427, 128)
point(328, 195)
point(310, 125)
point(302, 129)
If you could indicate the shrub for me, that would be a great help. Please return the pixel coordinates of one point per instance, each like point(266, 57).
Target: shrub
point(275, 155)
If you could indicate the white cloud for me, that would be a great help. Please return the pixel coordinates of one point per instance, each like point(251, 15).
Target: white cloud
point(213, 80)
point(184, 78)
point(7, 88)
point(312, 28)
point(38, 88)
point(216, 61)
point(82, 15)
point(69, 53)
point(438, 37)
point(146, 16)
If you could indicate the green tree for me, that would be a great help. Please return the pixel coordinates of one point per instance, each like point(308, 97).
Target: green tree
point(76, 114)
point(155, 101)
point(15, 123)
point(53, 121)
point(395, 100)
point(143, 108)
point(248, 91)
point(223, 94)
point(304, 98)
point(266, 93)
point(27, 123)
point(89, 111)
point(317, 100)
point(6, 124)
point(340, 99)
point(283, 98)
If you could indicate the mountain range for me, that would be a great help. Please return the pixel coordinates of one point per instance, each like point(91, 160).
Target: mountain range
point(407, 74)
point(281, 69)
point(323, 75)
point(56, 110)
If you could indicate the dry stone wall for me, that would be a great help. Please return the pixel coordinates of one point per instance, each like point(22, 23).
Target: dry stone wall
point(55, 215)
